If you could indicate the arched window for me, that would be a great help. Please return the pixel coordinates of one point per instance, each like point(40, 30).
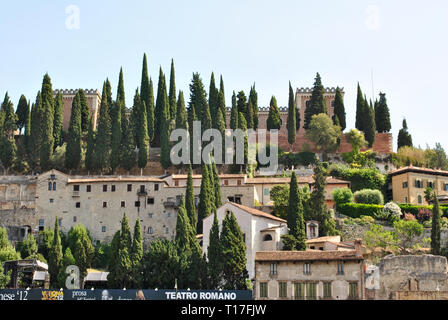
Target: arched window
point(420, 200)
point(54, 186)
point(267, 237)
point(49, 186)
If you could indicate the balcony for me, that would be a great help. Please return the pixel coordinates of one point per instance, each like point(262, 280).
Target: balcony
point(142, 193)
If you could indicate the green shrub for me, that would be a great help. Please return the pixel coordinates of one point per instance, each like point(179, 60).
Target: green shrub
point(342, 195)
point(393, 211)
point(356, 210)
point(410, 208)
point(367, 219)
point(368, 196)
point(360, 178)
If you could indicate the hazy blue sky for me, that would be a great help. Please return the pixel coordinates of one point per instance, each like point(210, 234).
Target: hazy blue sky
point(267, 42)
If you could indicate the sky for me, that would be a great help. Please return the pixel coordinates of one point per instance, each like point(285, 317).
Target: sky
point(393, 46)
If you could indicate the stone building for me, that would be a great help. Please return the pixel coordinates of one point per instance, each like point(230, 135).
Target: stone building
point(309, 275)
point(93, 97)
point(261, 230)
point(409, 184)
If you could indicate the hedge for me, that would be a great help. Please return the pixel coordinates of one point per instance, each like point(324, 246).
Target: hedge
point(410, 208)
point(356, 210)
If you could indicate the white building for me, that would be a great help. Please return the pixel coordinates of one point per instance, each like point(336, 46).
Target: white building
point(262, 231)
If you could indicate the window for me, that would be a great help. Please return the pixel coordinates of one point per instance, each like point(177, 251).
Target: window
point(51, 200)
point(52, 176)
point(327, 290)
point(176, 183)
point(137, 204)
point(299, 291)
point(89, 188)
point(49, 186)
point(59, 222)
point(445, 187)
point(103, 229)
point(266, 191)
point(104, 204)
point(156, 187)
point(105, 188)
point(263, 290)
point(226, 182)
point(54, 186)
point(418, 184)
point(405, 185)
point(306, 268)
point(340, 268)
point(420, 199)
point(76, 187)
point(430, 184)
point(282, 289)
point(41, 222)
point(142, 189)
point(311, 291)
point(267, 237)
point(74, 219)
point(169, 214)
point(150, 200)
point(238, 199)
point(353, 290)
point(123, 204)
point(405, 199)
point(113, 188)
point(244, 237)
point(273, 269)
point(150, 215)
point(78, 205)
point(167, 230)
point(149, 230)
point(238, 182)
point(129, 187)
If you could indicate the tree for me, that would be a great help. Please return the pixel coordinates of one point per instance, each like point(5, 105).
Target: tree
point(327, 226)
point(369, 124)
point(181, 116)
point(214, 252)
point(137, 255)
point(245, 109)
point(253, 99)
point(55, 256)
point(103, 137)
point(23, 109)
point(220, 120)
point(222, 105)
point(116, 135)
point(85, 112)
point(213, 99)
point(205, 206)
point(173, 93)
point(182, 228)
point(58, 120)
point(35, 134)
point(382, 116)
point(90, 160)
point(82, 248)
point(112, 265)
point(323, 133)
point(404, 138)
point(436, 227)
point(291, 122)
point(73, 153)
point(150, 112)
point(233, 254)
point(29, 248)
point(214, 175)
point(296, 223)
point(47, 124)
point(317, 102)
point(162, 109)
point(234, 114)
point(274, 120)
point(360, 110)
point(160, 265)
point(339, 109)
point(407, 234)
point(280, 196)
point(436, 157)
point(128, 156)
point(189, 196)
point(142, 139)
point(121, 96)
point(356, 139)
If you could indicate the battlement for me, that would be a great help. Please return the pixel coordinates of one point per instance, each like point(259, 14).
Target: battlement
point(73, 91)
point(310, 90)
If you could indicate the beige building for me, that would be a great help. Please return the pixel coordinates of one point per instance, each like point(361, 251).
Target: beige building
point(261, 230)
point(93, 97)
point(309, 275)
point(409, 184)
point(329, 243)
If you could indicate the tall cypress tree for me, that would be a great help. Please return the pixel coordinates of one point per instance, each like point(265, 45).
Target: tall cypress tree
point(112, 265)
point(214, 255)
point(46, 125)
point(8, 147)
point(121, 96)
point(36, 137)
point(382, 115)
point(339, 109)
point(436, 226)
point(73, 153)
point(27, 140)
point(128, 155)
point(198, 102)
point(172, 92)
point(274, 120)
point(150, 112)
point(124, 262)
point(189, 199)
point(55, 256)
point(205, 205)
point(137, 255)
point(243, 107)
point(162, 110)
point(103, 138)
point(360, 110)
point(222, 106)
point(317, 102)
point(58, 120)
point(23, 108)
point(253, 99)
point(85, 112)
point(90, 160)
point(291, 123)
point(181, 116)
point(404, 138)
point(116, 135)
point(234, 114)
point(213, 99)
point(369, 123)
point(217, 186)
point(296, 223)
point(47, 91)
point(143, 137)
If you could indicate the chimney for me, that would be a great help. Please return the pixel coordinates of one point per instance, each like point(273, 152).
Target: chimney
point(358, 247)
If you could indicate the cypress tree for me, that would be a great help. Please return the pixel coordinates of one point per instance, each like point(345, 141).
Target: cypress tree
point(317, 102)
point(181, 116)
point(253, 99)
point(121, 97)
point(8, 147)
point(222, 105)
point(137, 255)
point(128, 156)
point(46, 151)
point(189, 196)
point(90, 160)
point(295, 219)
point(124, 263)
point(144, 87)
point(220, 121)
point(404, 138)
point(243, 107)
point(234, 113)
point(217, 186)
point(274, 120)
point(213, 100)
point(112, 265)
point(369, 124)
point(116, 135)
point(291, 122)
point(205, 205)
point(382, 116)
point(47, 92)
point(8, 151)
point(82, 248)
point(173, 93)
point(58, 120)
point(73, 153)
point(143, 136)
point(233, 254)
point(198, 102)
point(214, 255)
point(360, 110)
point(23, 109)
point(162, 110)
point(150, 112)
point(55, 256)
point(436, 226)
point(339, 109)
point(85, 112)
point(27, 140)
point(183, 229)
point(103, 137)
point(35, 136)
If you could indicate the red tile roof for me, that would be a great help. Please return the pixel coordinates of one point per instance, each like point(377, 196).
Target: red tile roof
point(306, 255)
point(418, 170)
point(256, 212)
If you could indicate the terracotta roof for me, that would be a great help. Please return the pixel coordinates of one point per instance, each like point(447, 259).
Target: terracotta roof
point(198, 176)
point(307, 255)
point(300, 180)
point(256, 212)
point(115, 179)
point(324, 239)
point(418, 170)
point(270, 229)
